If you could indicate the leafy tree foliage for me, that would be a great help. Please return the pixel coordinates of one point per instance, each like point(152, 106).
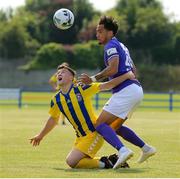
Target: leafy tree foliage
point(13, 40)
point(89, 55)
point(48, 56)
point(6, 15)
point(3, 17)
point(159, 78)
point(177, 50)
point(45, 10)
point(149, 31)
point(151, 37)
point(143, 27)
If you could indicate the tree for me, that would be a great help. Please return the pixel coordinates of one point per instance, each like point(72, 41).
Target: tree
point(45, 9)
point(151, 29)
point(6, 15)
point(83, 12)
point(48, 56)
point(150, 34)
point(3, 17)
point(30, 21)
point(88, 55)
point(13, 40)
point(176, 50)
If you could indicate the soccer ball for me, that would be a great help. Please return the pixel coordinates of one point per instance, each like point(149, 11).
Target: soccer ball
point(63, 19)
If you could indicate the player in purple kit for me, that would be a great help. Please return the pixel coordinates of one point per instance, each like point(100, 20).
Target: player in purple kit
point(126, 96)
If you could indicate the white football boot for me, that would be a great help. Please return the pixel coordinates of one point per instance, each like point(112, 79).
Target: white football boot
point(124, 155)
point(147, 151)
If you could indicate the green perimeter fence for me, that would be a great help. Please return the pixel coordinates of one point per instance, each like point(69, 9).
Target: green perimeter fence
point(166, 101)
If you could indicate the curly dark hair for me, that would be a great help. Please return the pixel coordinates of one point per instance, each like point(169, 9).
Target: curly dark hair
point(109, 23)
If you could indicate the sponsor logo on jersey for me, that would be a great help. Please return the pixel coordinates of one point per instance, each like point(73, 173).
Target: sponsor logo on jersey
point(111, 51)
point(79, 97)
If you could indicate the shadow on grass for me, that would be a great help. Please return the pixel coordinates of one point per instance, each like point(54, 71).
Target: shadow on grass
point(131, 170)
point(120, 170)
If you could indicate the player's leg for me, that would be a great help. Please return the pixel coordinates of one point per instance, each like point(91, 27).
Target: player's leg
point(119, 105)
point(78, 159)
point(109, 114)
point(103, 128)
point(129, 135)
point(96, 162)
point(74, 157)
point(82, 155)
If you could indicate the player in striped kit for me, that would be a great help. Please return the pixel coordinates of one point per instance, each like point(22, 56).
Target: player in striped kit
point(75, 103)
point(54, 83)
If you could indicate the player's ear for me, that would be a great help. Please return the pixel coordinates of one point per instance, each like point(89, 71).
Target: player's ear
point(110, 33)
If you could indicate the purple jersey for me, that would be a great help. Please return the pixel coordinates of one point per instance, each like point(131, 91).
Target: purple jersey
point(114, 48)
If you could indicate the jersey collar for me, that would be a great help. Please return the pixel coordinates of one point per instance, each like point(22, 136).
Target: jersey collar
point(68, 90)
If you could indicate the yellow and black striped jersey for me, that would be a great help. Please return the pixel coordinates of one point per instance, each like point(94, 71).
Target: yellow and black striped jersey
point(76, 105)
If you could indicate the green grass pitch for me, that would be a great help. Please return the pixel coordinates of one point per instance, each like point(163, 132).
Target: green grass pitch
point(19, 159)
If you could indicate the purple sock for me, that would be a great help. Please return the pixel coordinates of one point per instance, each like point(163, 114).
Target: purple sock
point(109, 135)
point(130, 136)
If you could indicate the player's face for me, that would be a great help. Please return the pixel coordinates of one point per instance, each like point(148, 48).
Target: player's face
point(102, 34)
point(64, 76)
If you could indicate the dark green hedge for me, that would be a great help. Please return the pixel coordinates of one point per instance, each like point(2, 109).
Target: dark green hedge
point(159, 78)
point(48, 56)
point(90, 56)
point(86, 55)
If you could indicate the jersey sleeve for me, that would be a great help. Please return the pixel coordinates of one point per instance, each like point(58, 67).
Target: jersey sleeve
point(111, 50)
point(90, 90)
point(54, 110)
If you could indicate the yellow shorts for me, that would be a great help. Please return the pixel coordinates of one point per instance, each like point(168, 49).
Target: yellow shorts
point(89, 144)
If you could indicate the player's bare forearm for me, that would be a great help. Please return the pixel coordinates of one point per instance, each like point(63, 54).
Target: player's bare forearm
point(110, 70)
point(85, 79)
point(114, 82)
point(50, 124)
point(104, 73)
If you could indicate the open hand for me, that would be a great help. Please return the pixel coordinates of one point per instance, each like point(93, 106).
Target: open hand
point(36, 140)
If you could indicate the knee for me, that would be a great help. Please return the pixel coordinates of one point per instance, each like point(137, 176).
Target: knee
point(70, 162)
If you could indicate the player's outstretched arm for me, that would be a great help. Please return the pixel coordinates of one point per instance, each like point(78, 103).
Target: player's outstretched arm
point(53, 82)
point(114, 82)
point(50, 124)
